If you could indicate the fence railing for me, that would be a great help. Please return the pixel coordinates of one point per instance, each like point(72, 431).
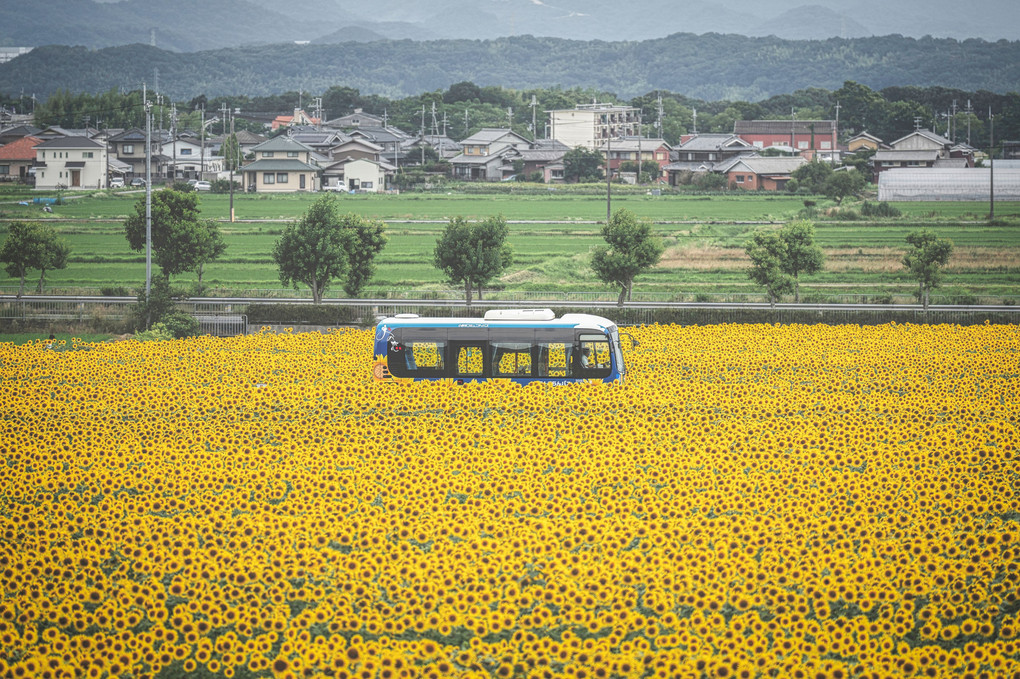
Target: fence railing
point(569, 296)
point(229, 316)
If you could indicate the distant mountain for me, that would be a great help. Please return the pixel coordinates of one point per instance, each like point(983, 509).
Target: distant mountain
point(812, 23)
point(711, 67)
point(195, 25)
point(181, 25)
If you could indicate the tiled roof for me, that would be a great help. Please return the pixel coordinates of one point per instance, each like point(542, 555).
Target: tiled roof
point(767, 166)
point(892, 155)
point(281, 143)
point(278, 165)
point(712, 142)
point(70, 143)
point(22, 149)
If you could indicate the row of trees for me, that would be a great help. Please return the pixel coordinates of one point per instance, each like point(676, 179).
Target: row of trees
point(326, 247)
point(779, 258)
point(889, 113)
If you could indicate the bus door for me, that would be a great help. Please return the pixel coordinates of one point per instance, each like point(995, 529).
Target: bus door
point(417, 353)
point(593, 356)
point(468, 349)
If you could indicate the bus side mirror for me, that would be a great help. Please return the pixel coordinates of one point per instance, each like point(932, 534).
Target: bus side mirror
point(633, 342)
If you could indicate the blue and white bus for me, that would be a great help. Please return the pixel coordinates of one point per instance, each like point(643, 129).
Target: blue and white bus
point(523, 345)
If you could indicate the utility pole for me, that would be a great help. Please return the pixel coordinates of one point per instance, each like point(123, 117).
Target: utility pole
point(835, 135)
point(609, 182)
point(173, 138)
point(991, 165)
point(422, 135)
point(639, 148)
point(148, 206)
point(534, 119)
point(233, 161)
point(970, 112)
point(201, 167)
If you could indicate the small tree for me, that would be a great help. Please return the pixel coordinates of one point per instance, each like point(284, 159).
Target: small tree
point(31, 245)
point(811, 177)
point(211, 247)
point(767, 252)
point(926, 259)
point(313, 251)
point(631, 249)
point(178, 238)
point(802, 254)
point(843, 185)
point(473, 254)
point(52, 255)
point(366, 240)
point(231, 151)
point(582, 165)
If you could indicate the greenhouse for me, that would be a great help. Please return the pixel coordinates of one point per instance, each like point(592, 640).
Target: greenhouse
point(948, 184)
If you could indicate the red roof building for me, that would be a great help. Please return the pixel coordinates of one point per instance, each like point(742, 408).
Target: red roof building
point(16, 158)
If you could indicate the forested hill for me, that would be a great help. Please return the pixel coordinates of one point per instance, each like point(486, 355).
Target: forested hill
point(710, 66)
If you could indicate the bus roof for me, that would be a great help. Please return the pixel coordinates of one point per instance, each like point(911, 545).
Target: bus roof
point(565, 321)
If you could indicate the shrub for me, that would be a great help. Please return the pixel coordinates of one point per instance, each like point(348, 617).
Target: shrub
point(304, 314)
point(883, 209)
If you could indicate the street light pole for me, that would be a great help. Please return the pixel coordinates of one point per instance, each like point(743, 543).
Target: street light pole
point(148, 209)
point(609, 181)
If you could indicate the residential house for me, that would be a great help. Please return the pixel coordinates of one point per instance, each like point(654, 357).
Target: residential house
point(391, 139)
point(320, 141)
point(922, 149)
point(128, 148)
point(357, 148)
point(16, 132)
point(70, 162)
point(545, 156)
point(190, 160)
point(299, 118)
point(444, 147)
point(703, 153)
point(359, 174)
point(760, 173)
point(817, 136)
point(863, 140)
point(589, 125)
point(357, 119)
point(281, 165)
point(16, 158)
point(488, 154)
point(632, 149)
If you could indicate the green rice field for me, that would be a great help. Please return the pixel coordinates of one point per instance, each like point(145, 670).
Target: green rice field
point(552, 236)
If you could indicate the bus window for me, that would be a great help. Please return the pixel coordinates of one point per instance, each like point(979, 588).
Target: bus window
point(470, 360)
point(554, 359)
point(594, 356)
point(417, 353)
point(510, 358)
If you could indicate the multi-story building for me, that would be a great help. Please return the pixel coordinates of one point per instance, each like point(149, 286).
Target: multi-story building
point(590, 125)
point(70, 163)
point(816, 136)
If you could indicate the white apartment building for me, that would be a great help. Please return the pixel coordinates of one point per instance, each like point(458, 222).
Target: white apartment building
point(589, 125)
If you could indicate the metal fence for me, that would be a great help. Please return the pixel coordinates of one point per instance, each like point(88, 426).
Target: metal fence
point(534, 297)
point(229, 316)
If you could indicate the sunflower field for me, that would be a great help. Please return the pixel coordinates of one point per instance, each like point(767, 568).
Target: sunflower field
point(755, 501)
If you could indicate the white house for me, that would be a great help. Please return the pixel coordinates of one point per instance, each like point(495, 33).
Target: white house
point(70, 163)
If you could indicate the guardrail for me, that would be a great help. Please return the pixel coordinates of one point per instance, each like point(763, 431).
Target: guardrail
point(228, 315)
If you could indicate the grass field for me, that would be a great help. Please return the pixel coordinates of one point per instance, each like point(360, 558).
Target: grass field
point(552, 235)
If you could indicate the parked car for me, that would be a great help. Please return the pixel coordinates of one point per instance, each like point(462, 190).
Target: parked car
point(117, 183)
point(137, 181)
point(203, 186)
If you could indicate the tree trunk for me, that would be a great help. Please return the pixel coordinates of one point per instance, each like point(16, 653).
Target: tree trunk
point(623, 294)
point(199, 272)
point(467, 291)
point(796, 289)
point(316, 292)
point(927, 291)
point(21, 289)
point(772, 300)
point(42, 279)
point(630, 290)
point(479, 292)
